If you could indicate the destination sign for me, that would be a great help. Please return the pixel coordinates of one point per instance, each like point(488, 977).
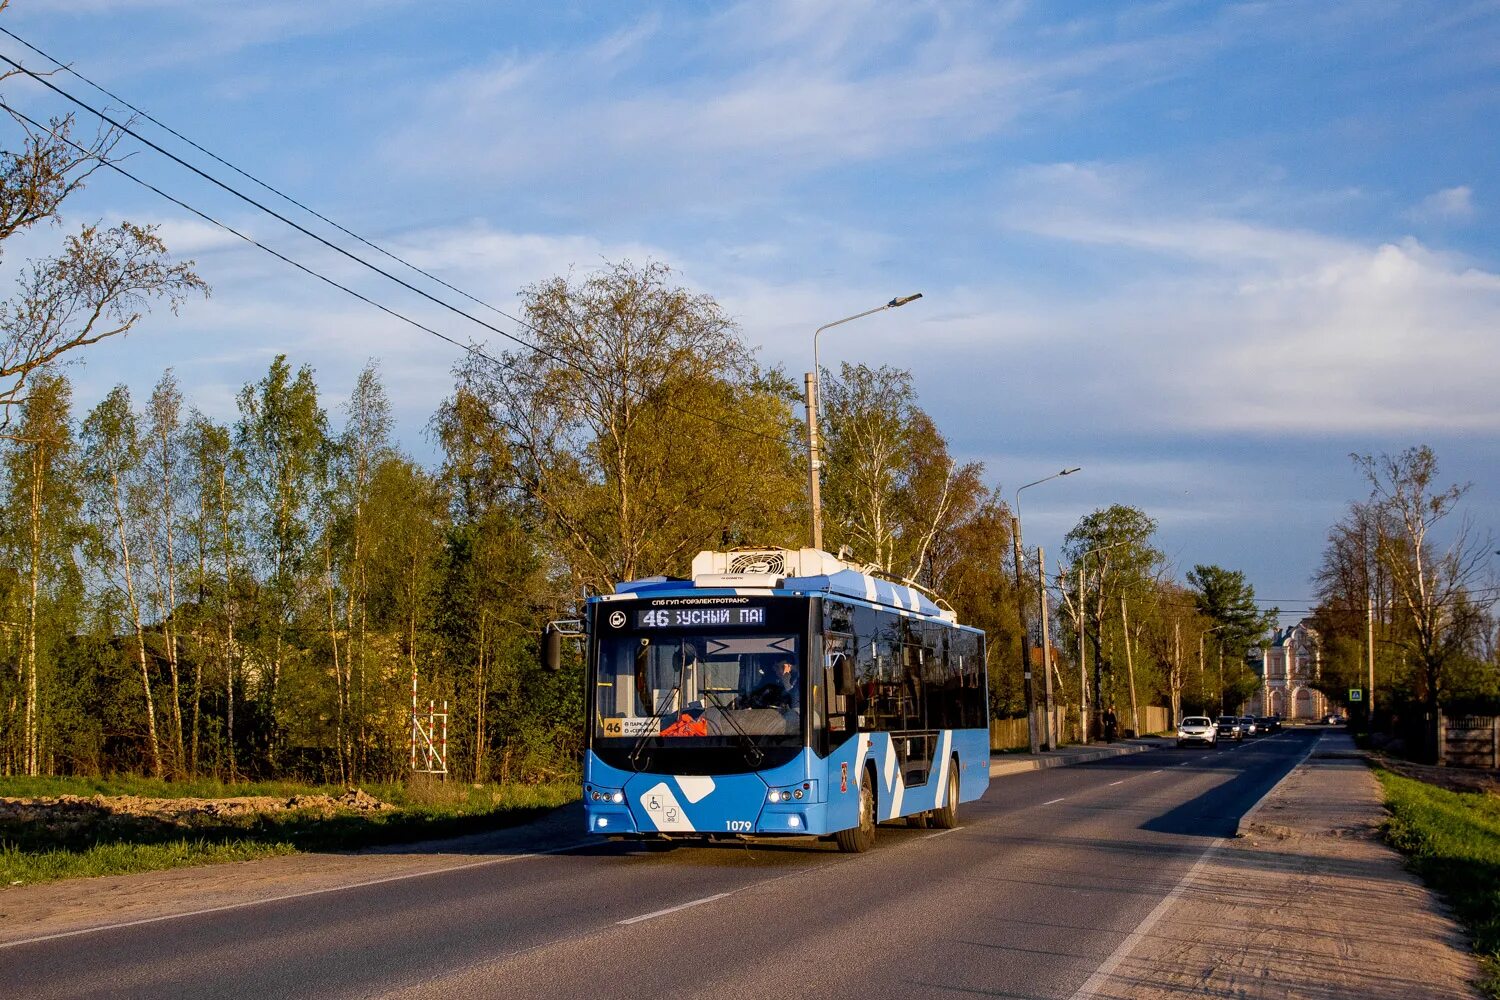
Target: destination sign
point(700, 617)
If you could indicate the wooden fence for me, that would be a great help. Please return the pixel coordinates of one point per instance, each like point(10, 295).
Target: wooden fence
point(1011, 734)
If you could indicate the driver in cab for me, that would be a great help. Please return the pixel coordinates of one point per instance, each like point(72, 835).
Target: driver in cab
point(778, 687)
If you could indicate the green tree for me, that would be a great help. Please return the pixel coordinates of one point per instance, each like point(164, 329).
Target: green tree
point(282, 432)
point(641, 427)
point(1433, 584)
point(499, 585)
point(892, 489)
point(39, 532)
point(1114, 547)
point(111, 456)
point(214, 472)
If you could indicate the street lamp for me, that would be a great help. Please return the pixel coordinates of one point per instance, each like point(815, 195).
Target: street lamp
point(1015, 539)
point(814, 496)
point(1083, 711)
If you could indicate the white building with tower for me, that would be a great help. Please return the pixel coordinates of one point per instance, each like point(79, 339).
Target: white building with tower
point(1288, 666)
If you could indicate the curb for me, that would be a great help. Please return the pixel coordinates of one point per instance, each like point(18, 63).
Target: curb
point(1003, 767)
point(1249, 815)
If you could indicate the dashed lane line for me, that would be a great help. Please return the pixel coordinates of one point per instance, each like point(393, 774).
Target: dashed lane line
point(1052, 801)
point(672, 909)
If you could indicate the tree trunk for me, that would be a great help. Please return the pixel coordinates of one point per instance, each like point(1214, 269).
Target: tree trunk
point(226, 537)
point(135, 620)
point(29, 736)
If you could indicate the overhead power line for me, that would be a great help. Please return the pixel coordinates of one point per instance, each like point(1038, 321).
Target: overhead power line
point(566, 362)
point(267, 186)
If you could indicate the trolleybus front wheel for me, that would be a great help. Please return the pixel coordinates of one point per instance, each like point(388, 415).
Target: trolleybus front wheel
point(862, 837)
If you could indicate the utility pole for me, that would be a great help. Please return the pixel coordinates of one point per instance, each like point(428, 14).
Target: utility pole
point(814, 493)
point(1083, 675)
point(1135, 713)
point(1051, 721)
point(1370, 660)
point(1015, 543)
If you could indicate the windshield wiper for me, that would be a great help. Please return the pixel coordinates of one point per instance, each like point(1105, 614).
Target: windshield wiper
point(753, 754)
point(640, 744)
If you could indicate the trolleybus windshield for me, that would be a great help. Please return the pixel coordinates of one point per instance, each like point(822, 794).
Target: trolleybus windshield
point(677, 683)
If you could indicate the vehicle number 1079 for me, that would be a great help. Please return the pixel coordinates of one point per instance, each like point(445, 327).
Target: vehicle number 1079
point(738, 825)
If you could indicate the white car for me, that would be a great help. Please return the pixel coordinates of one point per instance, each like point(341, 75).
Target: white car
point(1197, 729)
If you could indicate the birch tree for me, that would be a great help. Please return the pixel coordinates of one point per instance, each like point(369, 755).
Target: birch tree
point(112, 455)
point(642, 429)
point(39, 533)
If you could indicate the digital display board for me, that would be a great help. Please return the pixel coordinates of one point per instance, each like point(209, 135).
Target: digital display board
point(701, 617)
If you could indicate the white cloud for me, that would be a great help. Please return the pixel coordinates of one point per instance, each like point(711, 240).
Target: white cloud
point(1454, 204)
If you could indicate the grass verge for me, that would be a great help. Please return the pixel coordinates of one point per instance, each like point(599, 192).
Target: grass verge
point(1453, 842)
point(97, 839)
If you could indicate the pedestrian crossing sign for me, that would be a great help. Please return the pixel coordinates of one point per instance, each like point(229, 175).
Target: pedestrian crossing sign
point(1355, 694)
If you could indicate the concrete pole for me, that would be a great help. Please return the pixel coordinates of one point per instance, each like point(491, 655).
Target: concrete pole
point(1370, 658)
point(1033, 743)
point(1083, 675)
point(1051, 720)
point(814, 493)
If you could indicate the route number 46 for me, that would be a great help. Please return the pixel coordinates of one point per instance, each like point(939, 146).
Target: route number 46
point(654, 619)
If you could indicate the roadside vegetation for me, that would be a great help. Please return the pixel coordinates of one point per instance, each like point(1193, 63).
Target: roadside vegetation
point(1453, 842)
point(56, 828)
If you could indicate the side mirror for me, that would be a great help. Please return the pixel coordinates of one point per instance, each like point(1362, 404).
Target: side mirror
point(843, 675)
point(551, 649)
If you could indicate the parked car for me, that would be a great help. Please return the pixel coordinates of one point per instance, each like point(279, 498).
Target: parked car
point(1268, 724)
point(1197, 729)
point(1230, 728)
point(1333, 719)
point(1247, 723)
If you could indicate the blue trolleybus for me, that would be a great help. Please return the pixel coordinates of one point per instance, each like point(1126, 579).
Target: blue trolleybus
point(779, 693)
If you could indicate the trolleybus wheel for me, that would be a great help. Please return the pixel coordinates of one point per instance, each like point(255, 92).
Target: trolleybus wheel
point(862, 837)
point(945, 816)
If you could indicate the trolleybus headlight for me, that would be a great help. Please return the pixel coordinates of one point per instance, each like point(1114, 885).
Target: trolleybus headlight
point(617, 798)
point(775, 795)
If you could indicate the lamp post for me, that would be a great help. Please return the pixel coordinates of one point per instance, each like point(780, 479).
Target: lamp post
point(814, 493)
point(1015, 538)
point(1083, 686)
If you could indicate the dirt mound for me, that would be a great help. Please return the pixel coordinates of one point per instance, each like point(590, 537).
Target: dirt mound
point(72, 810)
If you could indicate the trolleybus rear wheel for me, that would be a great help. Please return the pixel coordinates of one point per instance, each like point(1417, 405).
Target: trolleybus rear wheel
point(862, 837)
point(945, 817)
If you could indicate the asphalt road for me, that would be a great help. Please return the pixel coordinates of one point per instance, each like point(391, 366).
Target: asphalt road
point(1046, 878)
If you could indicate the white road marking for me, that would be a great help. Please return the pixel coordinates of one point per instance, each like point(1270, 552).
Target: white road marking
point(1051, 801)
point(940, 833)
point(290, 895)
point(1101, 975)
point(1120, 782)
point(672, 909)
point(1157, 771)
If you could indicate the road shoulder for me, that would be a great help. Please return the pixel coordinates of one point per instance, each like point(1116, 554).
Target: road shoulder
point(52, 909)
point(1305, 902)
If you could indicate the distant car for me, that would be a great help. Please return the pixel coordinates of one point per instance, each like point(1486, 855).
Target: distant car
point(1197, 729)
point(1230, 728)
point(1268, 724)
point(1333, 719)
point(1247, 723)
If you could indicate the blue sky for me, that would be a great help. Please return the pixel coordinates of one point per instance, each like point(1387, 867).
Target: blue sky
point(1202, 250)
